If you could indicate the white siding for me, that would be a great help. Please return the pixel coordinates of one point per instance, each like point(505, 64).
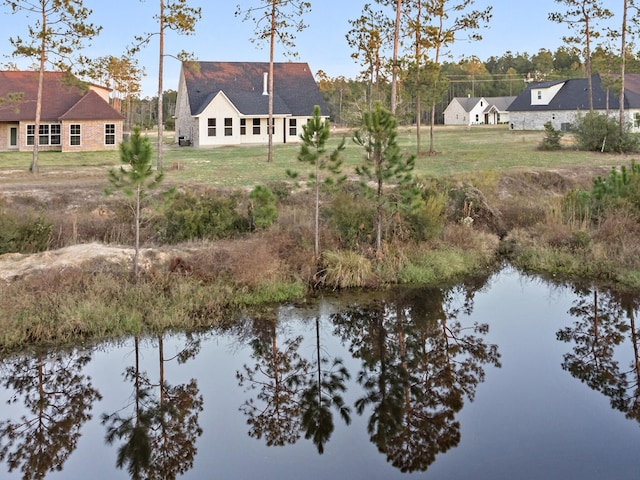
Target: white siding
point(219, 110)
point(542, 96)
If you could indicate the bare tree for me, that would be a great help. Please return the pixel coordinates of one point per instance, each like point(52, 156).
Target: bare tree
point(122, 75)
point(178, 16)
point(368, 37)
point(60, 30)
point(582, 17)
point(275, 18)
point(450, 18)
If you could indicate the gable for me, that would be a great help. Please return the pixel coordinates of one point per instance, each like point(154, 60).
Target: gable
point(481, 104)
point(544, 93)
point(61, 92)
point(220, 104)
point(91, 107)
point(243, 83)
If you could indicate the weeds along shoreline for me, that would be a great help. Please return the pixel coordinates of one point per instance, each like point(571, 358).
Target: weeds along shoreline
point(551, 222)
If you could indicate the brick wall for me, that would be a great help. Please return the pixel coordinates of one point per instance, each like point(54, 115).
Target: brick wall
point(92, 136)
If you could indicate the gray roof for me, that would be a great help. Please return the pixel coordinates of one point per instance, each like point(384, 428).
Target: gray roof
point(500, 103)
point(573, 95)
point(295, 90)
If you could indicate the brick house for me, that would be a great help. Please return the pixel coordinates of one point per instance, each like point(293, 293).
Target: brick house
point(226, 103)
point(75, 116)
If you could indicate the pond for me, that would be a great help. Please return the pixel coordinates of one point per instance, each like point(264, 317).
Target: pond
point(503, 378)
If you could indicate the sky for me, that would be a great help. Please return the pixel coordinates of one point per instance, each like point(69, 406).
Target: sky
point(518, 26)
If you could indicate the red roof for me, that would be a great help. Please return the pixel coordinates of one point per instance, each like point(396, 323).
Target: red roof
point(63, 98)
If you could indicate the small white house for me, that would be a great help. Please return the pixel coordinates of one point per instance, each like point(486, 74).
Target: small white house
point(477, 111)
point(226, 103)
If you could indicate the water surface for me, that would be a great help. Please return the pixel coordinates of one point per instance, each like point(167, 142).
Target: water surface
point(507, 377)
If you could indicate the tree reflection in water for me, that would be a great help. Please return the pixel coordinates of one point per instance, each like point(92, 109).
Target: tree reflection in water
point(277, 374)
point(605, 319)
point(161, 430)
point(323, 390)
point(418, 364)
point(59, 399)
point(294, 394)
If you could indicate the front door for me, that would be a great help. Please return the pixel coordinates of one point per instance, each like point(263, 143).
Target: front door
point(13, 137)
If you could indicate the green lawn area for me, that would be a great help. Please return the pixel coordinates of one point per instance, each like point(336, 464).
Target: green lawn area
point(459, 150)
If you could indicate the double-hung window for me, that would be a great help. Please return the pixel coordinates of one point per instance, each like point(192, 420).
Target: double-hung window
point(211, 127)
point(110, 134)
point(228, 127)
point(75, 134)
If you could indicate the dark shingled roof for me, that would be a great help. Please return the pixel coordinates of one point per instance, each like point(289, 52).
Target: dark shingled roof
point(63, 98)
point(574, 95)
point(295, 90)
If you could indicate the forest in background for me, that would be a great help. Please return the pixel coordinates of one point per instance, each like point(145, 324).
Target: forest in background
point(346, 98)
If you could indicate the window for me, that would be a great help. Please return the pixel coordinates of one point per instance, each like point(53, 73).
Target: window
point(110, 134)
point(243, 126)
point(74, 134)
point(636, 120)
point(43, 135)
point(273, 125)
point(211, 127)
point(48, 134)
point(228, 127)
point(55, 138)
point(256, 126)
point(539, 94)
point(293, 127)
point(30, 131)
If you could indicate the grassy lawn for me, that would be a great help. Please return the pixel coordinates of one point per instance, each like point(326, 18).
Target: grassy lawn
point(460, 150)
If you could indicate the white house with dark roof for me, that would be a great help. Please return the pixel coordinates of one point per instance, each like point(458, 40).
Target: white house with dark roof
point(477, 111)
point(226, 103)
point(561, 101)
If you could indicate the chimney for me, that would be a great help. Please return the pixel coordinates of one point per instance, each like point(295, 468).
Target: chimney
point(265, 89)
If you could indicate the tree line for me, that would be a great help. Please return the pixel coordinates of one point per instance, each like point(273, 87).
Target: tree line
point(497, 76)
point(402, 46)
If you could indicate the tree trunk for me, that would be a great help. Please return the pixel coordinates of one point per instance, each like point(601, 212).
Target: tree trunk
point(394, 74)
point(160, 119)
point(36, 133)
point(437, 82)
point(136, 256)
point(271, 55)
point(588, 64)
point(623, 54)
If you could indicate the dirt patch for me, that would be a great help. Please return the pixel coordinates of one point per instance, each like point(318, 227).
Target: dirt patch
point(532, 183)
point(16, 265)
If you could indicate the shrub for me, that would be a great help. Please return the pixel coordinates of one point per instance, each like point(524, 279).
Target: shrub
point(207, 216)
point(346, 269)
point(24, 234)
point(351, 219)
point(262, 208)
point(552, 138)
point(427, 216)
point(599, 133)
